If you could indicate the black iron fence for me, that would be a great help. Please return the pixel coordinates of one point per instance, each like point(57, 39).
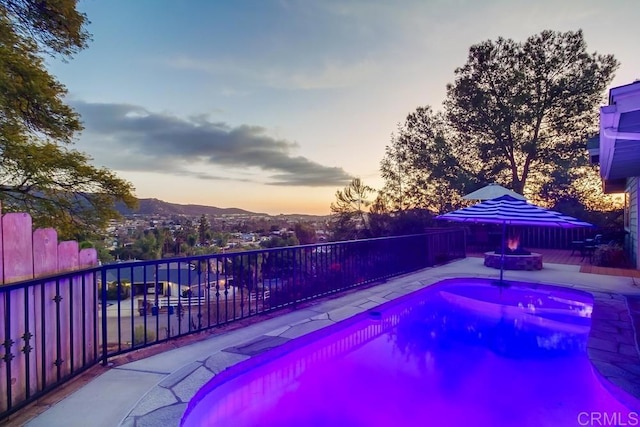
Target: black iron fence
point(54, 328)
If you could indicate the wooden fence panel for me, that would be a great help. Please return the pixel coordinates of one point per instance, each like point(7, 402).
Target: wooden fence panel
point(35, 318)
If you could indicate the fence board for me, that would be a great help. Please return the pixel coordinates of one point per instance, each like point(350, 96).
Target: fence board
point(18, 265)
point(86, 306)
point(67, 260)
point(3, 315)
point(1, 251)
point(45, 261)
point(45, 252)
point(17, 247)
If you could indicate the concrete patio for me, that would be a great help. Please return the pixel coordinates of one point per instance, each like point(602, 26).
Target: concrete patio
point(154, 391)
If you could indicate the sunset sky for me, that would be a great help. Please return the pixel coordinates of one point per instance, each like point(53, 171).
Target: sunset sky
point(272, 106)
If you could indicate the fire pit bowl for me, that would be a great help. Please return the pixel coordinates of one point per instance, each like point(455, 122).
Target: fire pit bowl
point(533, 261)
point(517, 251)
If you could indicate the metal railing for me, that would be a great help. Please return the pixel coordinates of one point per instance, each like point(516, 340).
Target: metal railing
point(56, 327)
point(48, 333)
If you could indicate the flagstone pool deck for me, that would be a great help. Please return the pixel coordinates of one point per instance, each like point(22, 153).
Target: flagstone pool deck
point(154, 391)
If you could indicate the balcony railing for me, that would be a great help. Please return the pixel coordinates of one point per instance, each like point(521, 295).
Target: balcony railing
point(54, 328)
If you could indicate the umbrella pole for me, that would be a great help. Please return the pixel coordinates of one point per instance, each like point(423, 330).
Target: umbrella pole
point(504, 228)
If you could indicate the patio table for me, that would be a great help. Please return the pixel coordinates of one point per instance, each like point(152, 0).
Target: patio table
point(577, 245)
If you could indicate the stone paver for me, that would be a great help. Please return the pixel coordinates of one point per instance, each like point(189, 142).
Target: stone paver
point(258, 345)
point(299, 330)
point(178, 374)
point(220, 361)
point(158, 397)
point(611, 347)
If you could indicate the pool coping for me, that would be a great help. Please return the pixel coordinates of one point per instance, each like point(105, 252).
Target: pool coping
point(612, 347)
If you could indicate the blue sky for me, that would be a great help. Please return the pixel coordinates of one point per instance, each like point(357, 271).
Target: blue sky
point(272, 106)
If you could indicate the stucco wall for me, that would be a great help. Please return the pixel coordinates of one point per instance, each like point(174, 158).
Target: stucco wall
point(633, 226)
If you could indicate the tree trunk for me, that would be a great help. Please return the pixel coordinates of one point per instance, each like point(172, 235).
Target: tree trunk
point(518, 185)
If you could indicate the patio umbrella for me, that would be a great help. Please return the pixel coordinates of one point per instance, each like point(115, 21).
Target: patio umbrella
point(507, 210)
point(492, 191)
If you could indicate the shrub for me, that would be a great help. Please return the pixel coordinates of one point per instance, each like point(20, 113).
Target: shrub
point(138, 336)
point(112, 291)
point(611, 255)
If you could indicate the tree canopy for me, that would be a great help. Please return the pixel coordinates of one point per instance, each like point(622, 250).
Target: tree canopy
point(349, 212)
point(518, 113)
point(423, 167)
point(305, 233)
point(39, 172)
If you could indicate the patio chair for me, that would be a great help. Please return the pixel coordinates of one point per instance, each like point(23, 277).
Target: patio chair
point(589, 247)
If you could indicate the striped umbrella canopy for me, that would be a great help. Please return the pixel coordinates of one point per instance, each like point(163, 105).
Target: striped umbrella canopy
point(576, 222)
point(507, 210)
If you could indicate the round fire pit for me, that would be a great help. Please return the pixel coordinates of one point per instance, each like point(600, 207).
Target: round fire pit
point(514, 262)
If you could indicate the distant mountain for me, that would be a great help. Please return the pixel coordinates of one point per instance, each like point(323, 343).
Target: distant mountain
point(159, 207)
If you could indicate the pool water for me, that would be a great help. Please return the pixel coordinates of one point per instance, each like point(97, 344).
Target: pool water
point(459, 353)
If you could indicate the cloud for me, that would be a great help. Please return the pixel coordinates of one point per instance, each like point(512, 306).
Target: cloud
point(129, 137)
point(326, 74)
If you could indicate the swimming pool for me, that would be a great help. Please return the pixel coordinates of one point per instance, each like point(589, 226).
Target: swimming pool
point(459, 353)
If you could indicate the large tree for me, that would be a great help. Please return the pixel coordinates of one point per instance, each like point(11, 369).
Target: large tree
point(39, 171)
point(517, 114)
point(423, 167)
point(350, 211)
point(204, 230)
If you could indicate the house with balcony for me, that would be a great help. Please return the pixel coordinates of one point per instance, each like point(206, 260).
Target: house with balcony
point(618, 153)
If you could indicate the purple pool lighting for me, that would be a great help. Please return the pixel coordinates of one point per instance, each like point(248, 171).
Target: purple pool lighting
point(462, 352)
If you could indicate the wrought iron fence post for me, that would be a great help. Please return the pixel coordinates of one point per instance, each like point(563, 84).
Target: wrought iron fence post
point(103, 305)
